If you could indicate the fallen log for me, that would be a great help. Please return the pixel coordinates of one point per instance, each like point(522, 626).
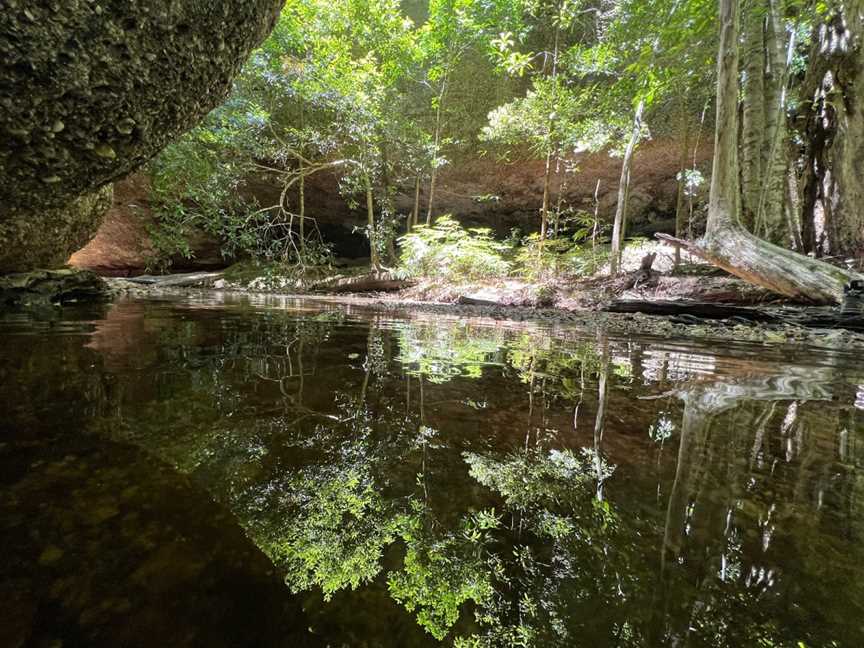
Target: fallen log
point(372, 282)
point(691, 312)
point(702, 310)
point(738, 252)
point(470, 300)
point(180, 280)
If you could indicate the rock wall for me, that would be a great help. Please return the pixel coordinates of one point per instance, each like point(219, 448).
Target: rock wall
point(92, 89)
point(506, 195)
point(489, 193)
point(122, 246)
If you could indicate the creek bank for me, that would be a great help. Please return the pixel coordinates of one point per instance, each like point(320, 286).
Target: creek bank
point(582, 307)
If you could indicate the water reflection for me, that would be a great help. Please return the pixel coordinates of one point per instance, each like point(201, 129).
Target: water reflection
point(427, 479)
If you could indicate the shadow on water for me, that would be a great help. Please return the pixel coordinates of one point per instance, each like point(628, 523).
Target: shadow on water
point(231, 473)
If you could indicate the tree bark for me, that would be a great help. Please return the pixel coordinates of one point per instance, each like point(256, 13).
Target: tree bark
point(726, 243)
point(763, 121)
point(771, 222)
point(374, 259)
point(792, 202)
point(752, 110)
point(834, 91)
point(302, 201)
point(815, 137)
point(414, 218)
point(619, 227)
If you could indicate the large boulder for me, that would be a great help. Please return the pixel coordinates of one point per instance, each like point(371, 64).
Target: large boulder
point(42, 240)
point(92, 89)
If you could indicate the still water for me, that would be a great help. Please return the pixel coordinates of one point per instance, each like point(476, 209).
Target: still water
point(225, 472)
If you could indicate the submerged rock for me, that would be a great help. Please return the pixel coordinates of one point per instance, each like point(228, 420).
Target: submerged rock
point(45, 287)
point(89, 91)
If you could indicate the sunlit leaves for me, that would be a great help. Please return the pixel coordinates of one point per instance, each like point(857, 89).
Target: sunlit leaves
point(448, 250)
point(442, 353)
point(532, 479)
point(552, 116)
point(440, 574)
point(337, 536)
point(660, 49)
point(506, 57)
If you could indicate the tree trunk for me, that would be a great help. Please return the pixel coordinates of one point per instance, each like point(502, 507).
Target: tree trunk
point(763, 121)
point(682, 184)
point(544, 210)
point(726, 243)
point(814, 134)
point(374, 260)
point(436, 150)
point(386, 203)
point(414, 218)
point(619, 228)
point(302, 201)
point(302, 196)
point(845, 159)
point(432, 180)
point(595, 225)
point(560, 200)
point(752, 110)
point(547, 175)
point(793, 206)
point(834, 90)
point(771, 222)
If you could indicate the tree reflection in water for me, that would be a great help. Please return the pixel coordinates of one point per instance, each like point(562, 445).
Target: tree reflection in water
point(508, 486)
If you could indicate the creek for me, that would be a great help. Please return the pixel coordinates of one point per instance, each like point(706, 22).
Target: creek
point(262, 471)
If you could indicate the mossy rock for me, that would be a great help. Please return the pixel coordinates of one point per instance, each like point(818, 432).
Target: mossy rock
point(44, 287)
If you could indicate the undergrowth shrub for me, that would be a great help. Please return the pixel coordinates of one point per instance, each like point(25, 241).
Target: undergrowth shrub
point(585, 260)
point(558, 258)
point(194, 188)
point(536, 262)
point(448, 250)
